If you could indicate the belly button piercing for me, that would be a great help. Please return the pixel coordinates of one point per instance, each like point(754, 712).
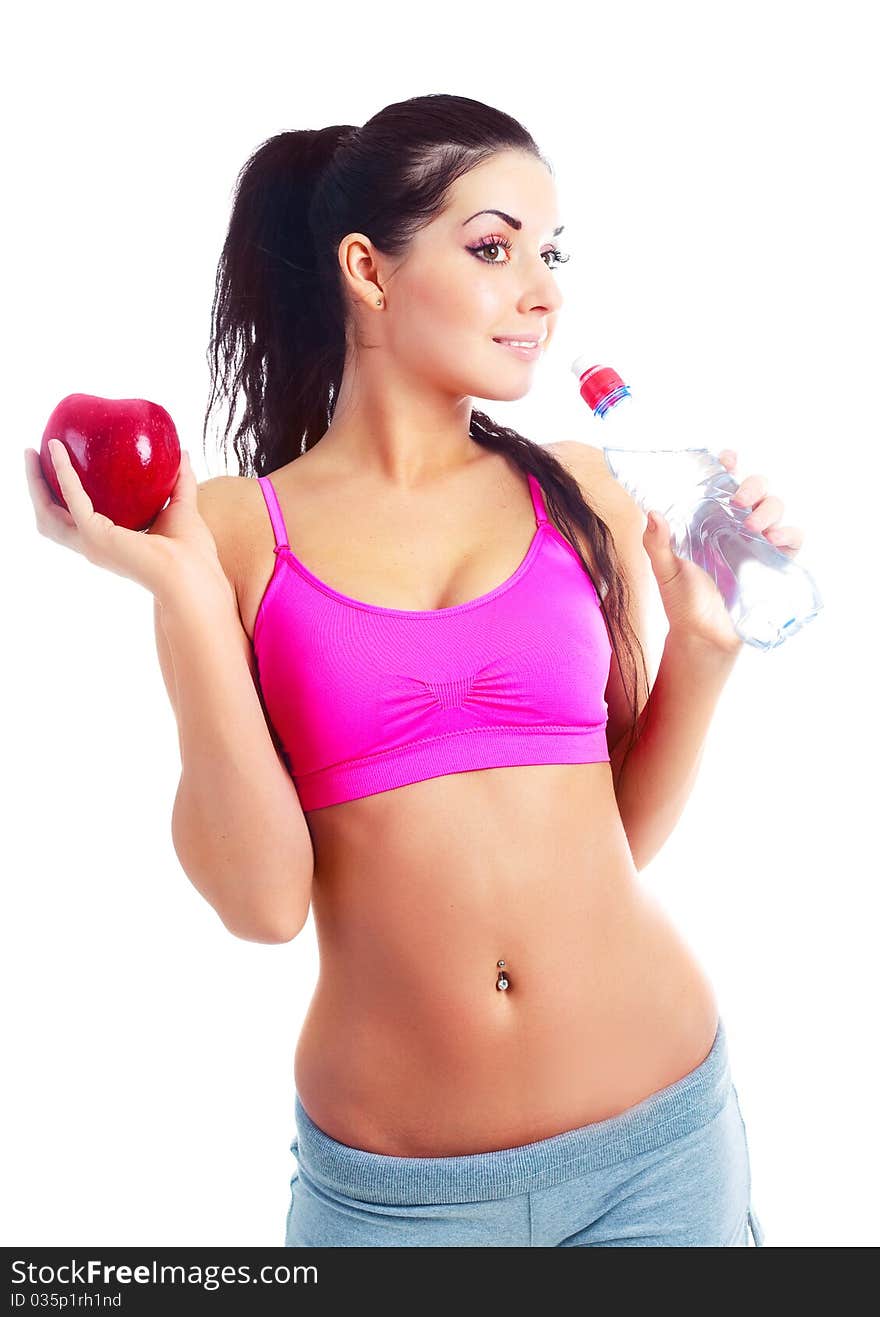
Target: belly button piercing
point(502, 982)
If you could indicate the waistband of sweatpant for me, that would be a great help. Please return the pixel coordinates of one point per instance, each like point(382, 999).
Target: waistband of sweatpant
point(669, 1113)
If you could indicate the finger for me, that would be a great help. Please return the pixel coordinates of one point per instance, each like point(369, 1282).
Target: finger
point(727, 457)
point(750, 492)
point(765, 513)
point(787, 538)
point(656, 539)
point(53, 520)
point(80, 505)
point(95, 535)
point(185, 485)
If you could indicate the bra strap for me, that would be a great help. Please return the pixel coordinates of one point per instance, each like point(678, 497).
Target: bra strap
point(537, 499)
point(275, 516)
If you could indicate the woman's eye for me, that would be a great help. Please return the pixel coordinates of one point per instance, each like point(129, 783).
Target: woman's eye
point(495, 244)
point(492, 244)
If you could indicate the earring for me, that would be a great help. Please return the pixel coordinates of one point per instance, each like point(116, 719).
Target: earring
point(378, 301)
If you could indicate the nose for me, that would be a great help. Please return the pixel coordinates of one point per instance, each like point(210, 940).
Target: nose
point(546, 296)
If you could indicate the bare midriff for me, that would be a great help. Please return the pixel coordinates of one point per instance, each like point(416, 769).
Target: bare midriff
point(408, 1047)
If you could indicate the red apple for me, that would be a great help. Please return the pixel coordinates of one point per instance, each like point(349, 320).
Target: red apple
point(125, 451)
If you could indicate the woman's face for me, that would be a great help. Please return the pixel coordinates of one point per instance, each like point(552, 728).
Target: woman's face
point(469, 278)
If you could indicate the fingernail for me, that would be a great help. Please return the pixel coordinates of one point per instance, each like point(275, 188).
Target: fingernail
point(652, 522)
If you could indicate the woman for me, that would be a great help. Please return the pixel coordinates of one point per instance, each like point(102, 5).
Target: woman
point(401, 662)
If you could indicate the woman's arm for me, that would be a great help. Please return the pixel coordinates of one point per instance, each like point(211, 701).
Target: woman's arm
point(237, 824)
point(674, 717)
point(672, 728)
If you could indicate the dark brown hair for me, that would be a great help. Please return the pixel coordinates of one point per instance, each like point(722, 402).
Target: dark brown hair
point(279, 316)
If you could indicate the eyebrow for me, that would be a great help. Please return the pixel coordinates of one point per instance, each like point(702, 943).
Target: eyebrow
point(508, 219)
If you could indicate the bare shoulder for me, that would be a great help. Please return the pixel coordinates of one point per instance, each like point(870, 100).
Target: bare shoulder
point(607, 496)
point(587, 464)
point(620, 512)
point(572, 452)
point(227, 505)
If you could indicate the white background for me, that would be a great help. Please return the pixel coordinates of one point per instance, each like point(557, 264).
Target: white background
point(716, 167)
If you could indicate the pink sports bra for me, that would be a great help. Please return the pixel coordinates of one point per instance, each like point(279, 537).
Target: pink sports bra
point(364, 698)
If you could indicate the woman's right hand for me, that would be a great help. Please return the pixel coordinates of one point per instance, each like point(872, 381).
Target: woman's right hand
point(178, 549)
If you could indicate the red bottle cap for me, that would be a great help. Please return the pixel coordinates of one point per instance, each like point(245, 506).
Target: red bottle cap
point(596, 381)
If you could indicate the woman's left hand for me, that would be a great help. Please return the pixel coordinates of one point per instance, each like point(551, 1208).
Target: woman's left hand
point(691, 599)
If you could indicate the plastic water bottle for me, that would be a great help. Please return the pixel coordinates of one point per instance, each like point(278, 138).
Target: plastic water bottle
point(769, 596)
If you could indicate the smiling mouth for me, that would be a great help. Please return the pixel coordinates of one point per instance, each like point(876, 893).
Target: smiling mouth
point(522, 348)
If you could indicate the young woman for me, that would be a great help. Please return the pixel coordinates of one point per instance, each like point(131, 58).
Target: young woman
point(402, 666)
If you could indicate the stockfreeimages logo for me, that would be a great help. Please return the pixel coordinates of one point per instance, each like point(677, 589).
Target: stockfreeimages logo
point(95, 1272)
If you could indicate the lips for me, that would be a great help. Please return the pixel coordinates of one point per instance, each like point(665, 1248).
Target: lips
point(529, 353)
point(520, 338)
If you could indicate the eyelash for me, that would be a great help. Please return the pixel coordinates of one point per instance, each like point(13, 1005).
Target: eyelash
point(559, 257)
